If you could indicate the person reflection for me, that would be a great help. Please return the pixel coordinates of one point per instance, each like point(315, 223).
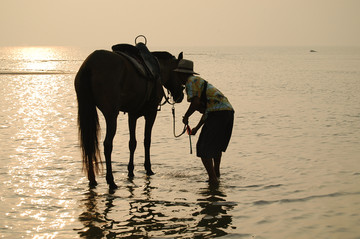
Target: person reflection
point(215, 218)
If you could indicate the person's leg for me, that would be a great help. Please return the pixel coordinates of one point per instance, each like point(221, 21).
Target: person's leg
point(217, 161)
point(209, 166)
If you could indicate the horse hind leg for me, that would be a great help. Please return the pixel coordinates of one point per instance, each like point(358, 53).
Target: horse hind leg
point(111, 124)
point(91, 176)
point(149, 123)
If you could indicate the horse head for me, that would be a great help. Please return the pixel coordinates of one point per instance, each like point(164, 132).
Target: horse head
point(168, 63)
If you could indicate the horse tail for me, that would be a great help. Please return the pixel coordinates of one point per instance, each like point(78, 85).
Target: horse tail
point(88, 123)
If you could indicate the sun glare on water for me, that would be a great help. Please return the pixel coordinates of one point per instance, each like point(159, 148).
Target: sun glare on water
point(33, 75)
point(36, 53)
point(37, 59)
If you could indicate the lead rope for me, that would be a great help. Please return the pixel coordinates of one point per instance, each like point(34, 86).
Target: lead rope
point(185, 126)
point(186, 129)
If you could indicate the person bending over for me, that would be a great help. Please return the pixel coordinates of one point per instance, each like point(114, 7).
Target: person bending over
point(217, 118)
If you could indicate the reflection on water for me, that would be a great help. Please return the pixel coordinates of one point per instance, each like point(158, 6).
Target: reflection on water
point(92, 219)
point(110, 215)
point(214, 211)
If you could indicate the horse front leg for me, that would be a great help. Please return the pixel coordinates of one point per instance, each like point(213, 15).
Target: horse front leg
point(132, 143)
point(149, 123)
point(111, 122)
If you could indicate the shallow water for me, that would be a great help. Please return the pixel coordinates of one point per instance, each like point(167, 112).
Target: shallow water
point(291, 170)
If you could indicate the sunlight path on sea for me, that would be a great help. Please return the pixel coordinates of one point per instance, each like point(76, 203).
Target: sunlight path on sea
point(38, 170)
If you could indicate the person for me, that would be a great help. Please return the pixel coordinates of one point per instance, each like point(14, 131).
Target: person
point(217, 118)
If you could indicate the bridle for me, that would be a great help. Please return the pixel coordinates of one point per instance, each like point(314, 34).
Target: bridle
point(167, 100)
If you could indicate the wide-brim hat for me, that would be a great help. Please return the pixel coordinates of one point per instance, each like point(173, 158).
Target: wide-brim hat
point(186, 66)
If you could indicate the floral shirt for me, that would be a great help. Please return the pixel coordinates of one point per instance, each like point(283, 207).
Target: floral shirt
point(216, 101)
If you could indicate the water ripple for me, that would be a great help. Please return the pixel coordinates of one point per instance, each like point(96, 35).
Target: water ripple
point(304, 199)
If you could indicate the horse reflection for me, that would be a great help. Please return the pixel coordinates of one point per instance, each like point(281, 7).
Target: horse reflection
point(91, 218)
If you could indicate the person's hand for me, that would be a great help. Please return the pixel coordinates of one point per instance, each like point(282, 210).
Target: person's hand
point(185, 120)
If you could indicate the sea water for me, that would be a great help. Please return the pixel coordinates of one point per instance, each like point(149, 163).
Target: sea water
point(291, 170)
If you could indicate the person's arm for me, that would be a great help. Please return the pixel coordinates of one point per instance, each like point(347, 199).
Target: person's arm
point(194, 105)
point(198, 126)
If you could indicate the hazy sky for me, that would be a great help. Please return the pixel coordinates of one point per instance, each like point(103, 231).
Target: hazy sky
point(180, 23)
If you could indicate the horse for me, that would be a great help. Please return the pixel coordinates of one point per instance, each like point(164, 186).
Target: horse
point(109, 82)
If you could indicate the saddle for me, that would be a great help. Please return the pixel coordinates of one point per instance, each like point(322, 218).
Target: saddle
point(141, 58)
point(147, 65)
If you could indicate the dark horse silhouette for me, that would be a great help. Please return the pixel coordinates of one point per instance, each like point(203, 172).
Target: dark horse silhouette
point(108, 81)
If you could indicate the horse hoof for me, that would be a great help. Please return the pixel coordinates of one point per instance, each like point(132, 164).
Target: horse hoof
point(149, 173)
point(92, 184)
point(113, 186)
point(131, 175)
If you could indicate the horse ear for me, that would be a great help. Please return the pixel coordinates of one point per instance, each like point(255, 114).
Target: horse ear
point(180, 56)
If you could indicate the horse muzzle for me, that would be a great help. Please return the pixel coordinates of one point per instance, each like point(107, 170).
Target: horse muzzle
point(179, 99)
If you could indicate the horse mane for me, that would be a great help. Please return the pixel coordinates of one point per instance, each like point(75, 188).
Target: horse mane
point(164, 55)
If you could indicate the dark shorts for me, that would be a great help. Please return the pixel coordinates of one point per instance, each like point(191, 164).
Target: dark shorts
point(215, 134)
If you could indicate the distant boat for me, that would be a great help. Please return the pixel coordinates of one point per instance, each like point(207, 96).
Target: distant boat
point(313, 51)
